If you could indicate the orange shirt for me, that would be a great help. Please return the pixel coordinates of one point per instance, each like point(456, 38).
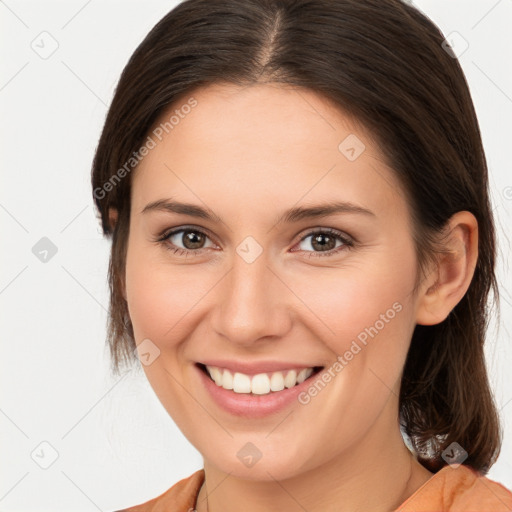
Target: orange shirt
point(451, 489)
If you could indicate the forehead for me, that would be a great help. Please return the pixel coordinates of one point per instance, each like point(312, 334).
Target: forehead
point(262, 141)
point(263, 116)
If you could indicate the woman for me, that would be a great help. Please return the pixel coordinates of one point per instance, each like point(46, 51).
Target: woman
point(302, 250)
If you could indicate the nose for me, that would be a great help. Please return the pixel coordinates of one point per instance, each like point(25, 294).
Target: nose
point(252, 303)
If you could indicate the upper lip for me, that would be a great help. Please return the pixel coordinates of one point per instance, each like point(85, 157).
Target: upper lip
point(255, 367)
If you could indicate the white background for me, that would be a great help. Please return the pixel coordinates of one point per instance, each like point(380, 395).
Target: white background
point(116, 444)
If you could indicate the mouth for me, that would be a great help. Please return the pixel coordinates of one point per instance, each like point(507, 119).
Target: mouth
point(261, 383)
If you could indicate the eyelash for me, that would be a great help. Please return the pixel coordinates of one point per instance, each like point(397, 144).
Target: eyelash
point(348, 243)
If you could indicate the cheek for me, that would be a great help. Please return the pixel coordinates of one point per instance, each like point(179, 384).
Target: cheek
point(154, 304)
point(370, 305)
point(161, 297)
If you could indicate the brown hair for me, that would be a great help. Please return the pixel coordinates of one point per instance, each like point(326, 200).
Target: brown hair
point(382, 61)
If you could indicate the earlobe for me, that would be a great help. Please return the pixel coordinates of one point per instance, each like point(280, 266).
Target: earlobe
point(112, 217)
point(452, 275)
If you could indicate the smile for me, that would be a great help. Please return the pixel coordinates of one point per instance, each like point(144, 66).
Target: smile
point(261, 383)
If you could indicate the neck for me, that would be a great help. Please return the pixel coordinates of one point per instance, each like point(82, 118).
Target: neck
point(377, 475)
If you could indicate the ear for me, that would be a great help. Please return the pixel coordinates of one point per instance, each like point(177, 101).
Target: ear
point(112, 217)
point(451, 276)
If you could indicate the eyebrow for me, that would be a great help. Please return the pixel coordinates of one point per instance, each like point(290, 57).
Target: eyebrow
point(294, 214)
point(168, 205)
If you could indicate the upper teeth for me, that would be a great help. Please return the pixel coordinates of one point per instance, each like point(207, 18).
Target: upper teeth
point(259, 384)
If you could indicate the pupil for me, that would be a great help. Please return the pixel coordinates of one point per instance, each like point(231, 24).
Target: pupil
point(317, 244)
point(191, 240)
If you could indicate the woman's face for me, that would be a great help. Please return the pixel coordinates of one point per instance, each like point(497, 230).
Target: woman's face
point(259, 285)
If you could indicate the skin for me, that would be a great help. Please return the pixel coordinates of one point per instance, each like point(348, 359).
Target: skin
point(248, 154)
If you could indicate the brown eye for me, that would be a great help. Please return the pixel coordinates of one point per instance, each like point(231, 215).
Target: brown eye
point(186, 240)
point(328, 241)
point(323, 242)
point(193, 239)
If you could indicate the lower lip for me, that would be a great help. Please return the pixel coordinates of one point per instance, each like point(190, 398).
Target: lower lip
point(248, 405)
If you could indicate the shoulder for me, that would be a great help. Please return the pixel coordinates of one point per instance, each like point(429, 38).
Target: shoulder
point(460, 489)
point(180, 497)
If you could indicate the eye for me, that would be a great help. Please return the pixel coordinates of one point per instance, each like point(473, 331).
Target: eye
point(325, 241)
point(191, 239)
